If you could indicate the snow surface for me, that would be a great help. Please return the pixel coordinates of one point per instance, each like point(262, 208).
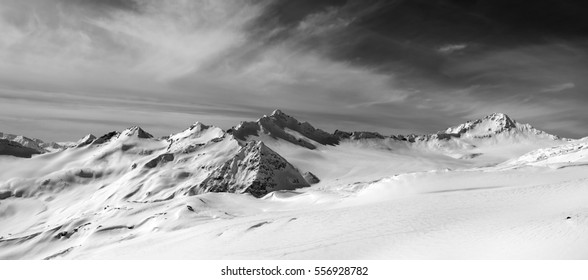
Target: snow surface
point(517, 193)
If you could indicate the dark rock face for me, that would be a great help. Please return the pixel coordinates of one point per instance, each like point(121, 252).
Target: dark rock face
point(12, 148)
point(311, 178)
point(31, 143)
point(342, 134)
point(281, 120)
point(5, 195)
point(275, 126)
point(142, 134)
point(105, 138)
point(446, 136)
point(85, 174)
point(245, 129)
point(139, 132)
point(159, 160)
point(257, 170)
point(276, 131)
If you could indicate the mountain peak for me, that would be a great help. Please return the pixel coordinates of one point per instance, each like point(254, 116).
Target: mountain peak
point(198, 126)
point(279, 116)
point(497, 115)
point(194, 136)
point(86, 140)
point(279, 125)
point(27, 142)
point(138, 131)
point(493, 124)
point(278, 112)
point(255, 169)
point(502, 119)
point(12, 148)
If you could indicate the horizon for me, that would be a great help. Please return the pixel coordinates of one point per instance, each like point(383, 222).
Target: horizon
point(73, 67)
point(286, 113)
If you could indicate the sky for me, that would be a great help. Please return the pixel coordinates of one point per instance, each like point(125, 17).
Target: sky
point(73, 67)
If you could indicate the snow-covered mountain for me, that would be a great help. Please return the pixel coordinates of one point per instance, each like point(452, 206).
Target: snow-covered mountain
point(489, 140)
point(495, 125)
point(492, 139)
point(206, 192)
point(13, 148)
point(279, 125)
point(486, 141)
point(84, 141)
point(33, 143)
point(136, 166)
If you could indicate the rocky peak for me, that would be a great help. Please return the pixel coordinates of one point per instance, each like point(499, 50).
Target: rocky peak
point(137, 131)
point(31, 143)
point(358, 135)
point(501, 119)
point(106, 137)
point(278, 112)
point(12, 148)
point(277, 125)
point(492, 124)
point(255, 169)
point(198, 126)
point(86, 140)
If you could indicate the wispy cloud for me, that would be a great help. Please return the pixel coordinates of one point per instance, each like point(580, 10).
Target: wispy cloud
point(175, 53)
point(361, 64)
point(448, 49)
point(559, 88)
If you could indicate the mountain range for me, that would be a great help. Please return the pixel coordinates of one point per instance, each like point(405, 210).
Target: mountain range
point(275, 176)
point(247, 158)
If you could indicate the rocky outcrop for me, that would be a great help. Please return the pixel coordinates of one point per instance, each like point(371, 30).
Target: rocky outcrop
point(12, 148)
point(358, 135)
point(159, 160)
point(26, 142)
point(137, 131)
point(311, 178)
point(33, 143)
point(105, 138)
point(256, 169)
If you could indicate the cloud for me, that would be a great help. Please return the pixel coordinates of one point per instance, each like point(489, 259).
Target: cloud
point(126, 5)
point(559, 87)
point(522, 70)
point(449, 49)
point(323, 22)
point(381, 65)
point(182, 56)
point(165, 39)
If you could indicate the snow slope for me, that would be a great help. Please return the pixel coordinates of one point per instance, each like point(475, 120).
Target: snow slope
point(572, 153)
point(441, 215)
